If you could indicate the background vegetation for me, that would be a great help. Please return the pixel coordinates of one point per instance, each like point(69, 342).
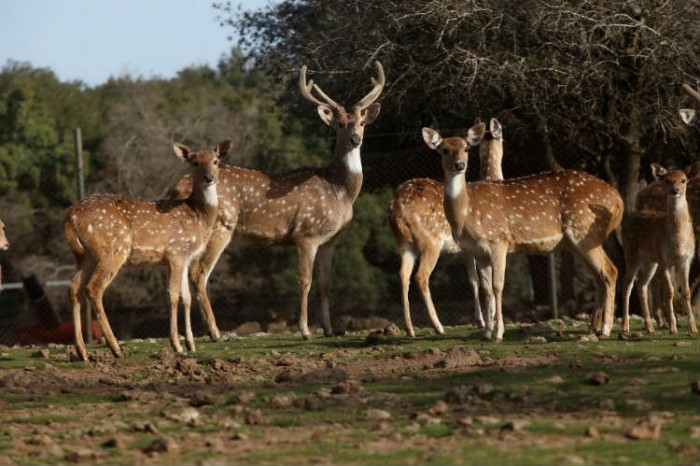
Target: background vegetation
point(592, 85)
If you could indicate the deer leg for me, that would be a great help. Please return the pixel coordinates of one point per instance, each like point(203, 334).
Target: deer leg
point(428, 260)
point(627, 285)
point(499, 275)
point(408, 259)
point(684, 277)
point(95, 288)
point(175, 272)
point(643, 293)
point(200, 271)
point(668, 301)
point(186, 297)
point(325, 263)
point(486, 273)
point(76, 291)
point(656, 300)
point(306, 253)
point(605, 274)
point(474, 283)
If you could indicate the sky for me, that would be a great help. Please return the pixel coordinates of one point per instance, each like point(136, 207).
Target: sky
point(93, 40)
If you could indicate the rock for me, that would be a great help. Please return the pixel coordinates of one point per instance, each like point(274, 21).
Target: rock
point(535, 340)
point(695, 387)
point(162, 445)
point(377, 415)
point(518, 425)
point(200, 399)
point(248, 328)
point(597, 378)
point(81, 455)
point(644, 429)
point(392, 330)
point(241, 398)
point(483, 390)
point(459, 356)
point(189, 416)
point(374, 338)
point(42, 354)
point(254, 417)
point(459, 394)
point(592, 432)
point(282, 400)
point(324, 376)
point(555, 379)
point(439, 408)
point(588, 338)
point(347, 386)
point(147, 427)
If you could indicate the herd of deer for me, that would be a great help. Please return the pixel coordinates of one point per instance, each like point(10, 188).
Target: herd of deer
point(485, 220)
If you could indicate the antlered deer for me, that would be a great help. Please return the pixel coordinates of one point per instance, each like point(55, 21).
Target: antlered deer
point(107, 231)
point(420, 229)
point(307, 208)
point(532, 215)
point(663, 239)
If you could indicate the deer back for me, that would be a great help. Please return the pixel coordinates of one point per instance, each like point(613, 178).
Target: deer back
point(416, 214)
point(532, 214)
point(108, 226)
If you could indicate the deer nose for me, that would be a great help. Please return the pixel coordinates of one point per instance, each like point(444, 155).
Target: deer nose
point(459, 166)
point(675, 191)
point(356, 139)
point(208, 177)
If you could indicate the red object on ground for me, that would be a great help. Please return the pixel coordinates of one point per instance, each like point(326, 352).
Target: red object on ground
point(38, 334)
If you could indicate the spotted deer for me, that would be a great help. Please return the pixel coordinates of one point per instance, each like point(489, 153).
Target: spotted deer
point(306, 208)
point(4, 245)
point(533, 215)
point(663, 239)
point(105, 232)
point(420, 229)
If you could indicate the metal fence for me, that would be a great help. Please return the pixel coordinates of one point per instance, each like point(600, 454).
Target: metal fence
point(536, 287)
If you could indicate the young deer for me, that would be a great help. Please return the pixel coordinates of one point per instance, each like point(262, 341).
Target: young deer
point(307, 208)
point(532, 215)
point(663, 239)
point(420, 229)
point(107, 231)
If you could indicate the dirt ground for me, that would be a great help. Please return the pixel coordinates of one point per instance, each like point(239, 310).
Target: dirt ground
point(314, 406)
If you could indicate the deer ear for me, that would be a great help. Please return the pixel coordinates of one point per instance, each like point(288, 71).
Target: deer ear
point(432, 138)
point(693, 170)
point(475, 133)
point(371, 113)
point(496, 129)
point(657, 171)
point(223, 148)
point(182, 151)
point(687, 115)
point(326, 114)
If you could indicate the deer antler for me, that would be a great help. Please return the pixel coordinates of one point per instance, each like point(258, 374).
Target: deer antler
point(378, 84)
point(307, 88)
point(691, 92)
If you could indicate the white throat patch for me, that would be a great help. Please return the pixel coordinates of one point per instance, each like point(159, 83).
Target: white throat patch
point(353, 161)
point(453, 186)
point(210, 196)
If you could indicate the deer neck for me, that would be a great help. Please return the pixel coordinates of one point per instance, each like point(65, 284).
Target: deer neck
point(346, 171)
point(456, 200)
point(490, 156)
point(204, 200)
point(678, 223)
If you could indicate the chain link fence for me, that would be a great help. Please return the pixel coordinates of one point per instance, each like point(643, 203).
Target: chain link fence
point(259, 285)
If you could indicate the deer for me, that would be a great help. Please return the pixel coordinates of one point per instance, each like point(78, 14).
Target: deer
point(307, 208)
point(4, 245)
point(662, 239)
point(420, 229)
point(107, 231)
point(534, 215)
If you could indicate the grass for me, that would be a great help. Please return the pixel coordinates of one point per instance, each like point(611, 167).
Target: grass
point(545, 385)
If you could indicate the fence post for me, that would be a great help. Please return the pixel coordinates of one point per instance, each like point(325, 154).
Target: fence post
point(80, 178)
point(553, 285)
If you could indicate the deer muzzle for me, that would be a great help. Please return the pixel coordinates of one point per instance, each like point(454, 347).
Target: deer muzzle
point(460, 166)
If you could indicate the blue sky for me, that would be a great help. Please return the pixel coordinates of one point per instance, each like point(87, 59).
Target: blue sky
point(92, 40)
